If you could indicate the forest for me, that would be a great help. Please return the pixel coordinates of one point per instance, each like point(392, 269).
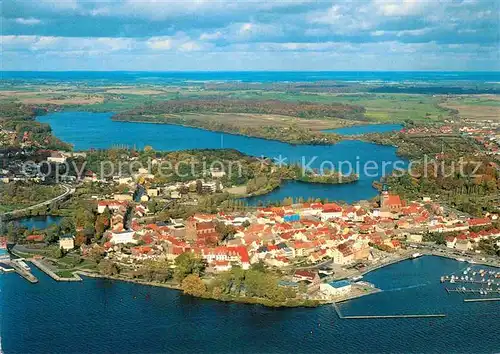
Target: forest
point(293, 109)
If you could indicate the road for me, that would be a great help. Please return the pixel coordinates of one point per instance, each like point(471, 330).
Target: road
point(67, 191)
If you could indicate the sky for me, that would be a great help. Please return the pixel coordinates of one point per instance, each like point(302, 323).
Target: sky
point(223, 35)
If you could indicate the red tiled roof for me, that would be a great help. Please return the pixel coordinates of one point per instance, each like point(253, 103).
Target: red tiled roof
point(393, 200)
point(477, 222)
point(332, 208)
point(35, 238)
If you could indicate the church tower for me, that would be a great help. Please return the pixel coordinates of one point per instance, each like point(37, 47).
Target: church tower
point(384, 197)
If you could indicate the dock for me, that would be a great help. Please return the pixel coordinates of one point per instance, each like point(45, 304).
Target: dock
point(392, 316)
point(471, 291)
point(470, 281)
point(25, 273)
point(373, 317)
point(483, 299)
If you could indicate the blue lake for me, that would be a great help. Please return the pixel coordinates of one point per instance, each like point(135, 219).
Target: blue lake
point(97, 316)
point(365, 129)
point(39, 222)
point(96, 130)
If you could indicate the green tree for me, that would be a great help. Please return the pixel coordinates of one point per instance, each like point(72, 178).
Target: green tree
point(193, 285)
point(58, 253)
point(188, 263)
point(108, 267)
point(224, 231)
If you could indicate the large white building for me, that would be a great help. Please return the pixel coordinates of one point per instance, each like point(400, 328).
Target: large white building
point(67, 242)
point(123, 237)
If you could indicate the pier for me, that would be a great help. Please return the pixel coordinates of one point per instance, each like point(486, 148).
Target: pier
point(391, 316)
point(471, 291)
point(373, 317)
point(24, 272)
point(483, 299)
point(469, 281)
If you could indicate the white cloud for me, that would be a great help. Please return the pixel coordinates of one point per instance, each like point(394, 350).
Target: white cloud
point(211, 36)
point(60, 4)
point(179, 42)
point(160, 43)
point(401, 7)
point(28, 21)
point(161, 28)
point(66, 44)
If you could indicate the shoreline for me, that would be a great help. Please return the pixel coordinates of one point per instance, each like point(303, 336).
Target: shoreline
point(230, 133)
point(315, 302)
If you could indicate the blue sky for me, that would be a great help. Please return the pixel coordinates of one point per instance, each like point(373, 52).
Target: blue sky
point(164, 35)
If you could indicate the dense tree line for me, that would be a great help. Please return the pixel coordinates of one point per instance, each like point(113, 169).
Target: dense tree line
point(21, 119)
point(23, 194)
point(293, 109)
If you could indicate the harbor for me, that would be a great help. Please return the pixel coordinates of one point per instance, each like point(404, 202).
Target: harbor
point(136, 306)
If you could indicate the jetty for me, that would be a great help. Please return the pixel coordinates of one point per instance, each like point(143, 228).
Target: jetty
point(373, 317)
point(472, 291)
point(23, 270)
point(391, 316)
point(483, 299)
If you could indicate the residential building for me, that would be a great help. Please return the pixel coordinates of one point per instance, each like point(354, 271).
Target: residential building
point(310, 278)
point(67, 242)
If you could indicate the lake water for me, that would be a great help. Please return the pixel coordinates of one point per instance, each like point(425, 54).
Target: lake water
point(108, 316)
point(39, 222)
point(159, 77)
point(96, 130)
point(365, 129)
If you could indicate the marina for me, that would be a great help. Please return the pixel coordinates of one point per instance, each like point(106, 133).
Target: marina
point(474, 276)
point(474, 280)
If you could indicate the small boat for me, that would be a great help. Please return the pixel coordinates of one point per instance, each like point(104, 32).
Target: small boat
point(416, 255)
point(460, 259)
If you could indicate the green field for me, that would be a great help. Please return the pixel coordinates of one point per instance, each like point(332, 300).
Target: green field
point(380, 107)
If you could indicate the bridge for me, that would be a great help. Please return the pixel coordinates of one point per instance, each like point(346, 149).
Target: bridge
point(68, 190)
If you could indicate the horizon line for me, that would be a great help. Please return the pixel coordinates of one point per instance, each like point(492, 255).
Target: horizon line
point(284, 71)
